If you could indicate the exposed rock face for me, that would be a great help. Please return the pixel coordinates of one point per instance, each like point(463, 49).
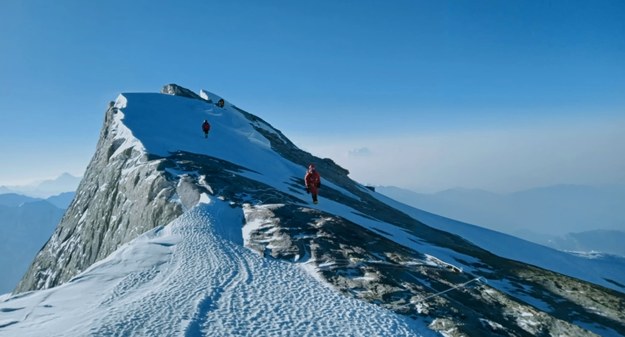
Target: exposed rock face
point(174, 89)
point(113, 204)
point(126, 192)
point(363, 264)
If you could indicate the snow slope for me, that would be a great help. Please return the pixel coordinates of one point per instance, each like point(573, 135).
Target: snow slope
point(173, 124)
point(193, 277)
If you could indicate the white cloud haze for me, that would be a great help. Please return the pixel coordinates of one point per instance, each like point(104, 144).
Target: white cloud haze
point(360, 152)
point(502, 160)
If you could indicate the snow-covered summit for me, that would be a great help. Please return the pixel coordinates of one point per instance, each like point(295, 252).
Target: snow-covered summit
point(174, 125)
point(154, 172)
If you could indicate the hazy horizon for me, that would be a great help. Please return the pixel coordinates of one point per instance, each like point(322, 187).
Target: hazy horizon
point(30, 183)
point(427, 95)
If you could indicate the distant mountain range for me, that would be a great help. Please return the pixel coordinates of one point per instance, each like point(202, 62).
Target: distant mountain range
point(565, 217)
point(46, 188)
point(26, 223)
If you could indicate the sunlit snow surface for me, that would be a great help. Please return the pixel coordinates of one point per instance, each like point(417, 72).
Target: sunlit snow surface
point(193, 277)
point(165, 124)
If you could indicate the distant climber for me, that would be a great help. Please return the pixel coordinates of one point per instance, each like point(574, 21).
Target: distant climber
point(313, 182)
point(220, 103)
point(206, 127)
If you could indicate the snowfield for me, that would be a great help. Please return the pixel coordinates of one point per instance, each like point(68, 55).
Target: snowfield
point(193, 277)
point(140, 122)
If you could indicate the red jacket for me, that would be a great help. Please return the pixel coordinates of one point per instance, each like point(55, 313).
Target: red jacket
point(206, 126)
point(313, 180)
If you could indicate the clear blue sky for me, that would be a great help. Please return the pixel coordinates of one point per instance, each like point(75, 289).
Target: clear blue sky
point(423, 75)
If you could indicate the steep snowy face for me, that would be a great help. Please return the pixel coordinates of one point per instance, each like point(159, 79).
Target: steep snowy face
point(193, 277)
point(153, 164)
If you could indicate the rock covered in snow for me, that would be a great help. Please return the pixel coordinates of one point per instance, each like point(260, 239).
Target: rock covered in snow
point(152, 165)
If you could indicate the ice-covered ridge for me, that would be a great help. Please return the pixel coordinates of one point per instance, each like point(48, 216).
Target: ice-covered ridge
point(193, 277)
point(164, 124)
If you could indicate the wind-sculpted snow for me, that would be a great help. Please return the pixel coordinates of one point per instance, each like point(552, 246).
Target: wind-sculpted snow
point(346, 266)
point(195, 278)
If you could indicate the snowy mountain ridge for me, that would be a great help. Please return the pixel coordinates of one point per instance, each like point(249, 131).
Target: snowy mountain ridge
point(154, 172)
point(201, 256)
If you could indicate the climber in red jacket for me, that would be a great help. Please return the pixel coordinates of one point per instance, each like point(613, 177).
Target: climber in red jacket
point(313, 182)
point(206, 127)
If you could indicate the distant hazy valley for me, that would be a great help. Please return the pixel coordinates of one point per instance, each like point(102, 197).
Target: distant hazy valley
point(27, 222)
point(565, 217)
